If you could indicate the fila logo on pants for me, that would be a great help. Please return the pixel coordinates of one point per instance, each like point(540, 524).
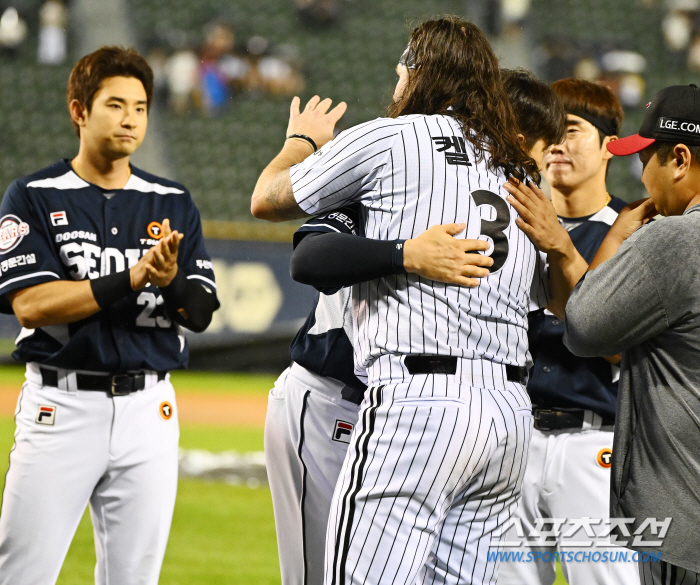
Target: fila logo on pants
point(46, 414)
point(342, 430)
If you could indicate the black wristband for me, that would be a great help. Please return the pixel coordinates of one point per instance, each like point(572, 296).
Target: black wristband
point(175, 291)
point(107, 290)
point(304, 137)
point(397, 257)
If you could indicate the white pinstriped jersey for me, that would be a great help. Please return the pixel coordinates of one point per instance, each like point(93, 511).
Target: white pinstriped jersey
point(409, 174)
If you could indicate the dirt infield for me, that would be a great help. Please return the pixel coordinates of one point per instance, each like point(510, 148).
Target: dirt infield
point(209, 409)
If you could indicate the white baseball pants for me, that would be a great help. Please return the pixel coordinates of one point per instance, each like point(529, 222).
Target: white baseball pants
point(120, 454)
point(304, 449)
point(434, 467)
point(564, 479)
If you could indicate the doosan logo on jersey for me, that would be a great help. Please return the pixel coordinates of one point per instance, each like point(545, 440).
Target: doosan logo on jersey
point(76, 235)
point(83, 259)
point(671, 124)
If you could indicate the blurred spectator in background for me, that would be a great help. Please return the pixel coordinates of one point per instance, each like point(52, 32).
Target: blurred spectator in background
point(158, 60)
point(603, 60)
point(221, 70)
point(182, 72)
point(52, 33)
point(280, 72)
point(319, 13)
point(218, 43)
point(13, 31)
point(209, 78)
point(274, 70)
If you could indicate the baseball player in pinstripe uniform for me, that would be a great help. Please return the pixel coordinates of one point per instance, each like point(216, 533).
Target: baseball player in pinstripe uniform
point(568, 474)
point(435, 462)
point(308, 424)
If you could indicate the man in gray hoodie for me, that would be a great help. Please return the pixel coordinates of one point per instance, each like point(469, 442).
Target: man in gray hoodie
point(641, 297)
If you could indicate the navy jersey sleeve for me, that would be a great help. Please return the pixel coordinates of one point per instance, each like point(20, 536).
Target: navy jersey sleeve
point(27, 257)
point(342, 221)
point(194, 259)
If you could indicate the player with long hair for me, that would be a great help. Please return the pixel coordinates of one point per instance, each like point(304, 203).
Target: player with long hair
point(435, 461)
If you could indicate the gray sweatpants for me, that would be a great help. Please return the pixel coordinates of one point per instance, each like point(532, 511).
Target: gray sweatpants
point(307, 431)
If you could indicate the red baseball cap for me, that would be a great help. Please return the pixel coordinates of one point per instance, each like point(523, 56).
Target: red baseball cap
point(672, 116)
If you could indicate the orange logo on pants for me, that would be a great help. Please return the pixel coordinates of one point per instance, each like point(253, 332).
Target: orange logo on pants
point(166, 410)
point(605, 457)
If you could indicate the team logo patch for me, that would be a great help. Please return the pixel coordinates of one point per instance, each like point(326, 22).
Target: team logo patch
point(155, 230)
point(59, 218)
point(46, 414)
point(604, 457)
point(166, 410)
point(12, 230)
point(341, 431)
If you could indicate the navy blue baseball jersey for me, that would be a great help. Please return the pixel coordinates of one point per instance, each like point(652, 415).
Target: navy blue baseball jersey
point(324, 343)
point(559, 379)
point(56, 226)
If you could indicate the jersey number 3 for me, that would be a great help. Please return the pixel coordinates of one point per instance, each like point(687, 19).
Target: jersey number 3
point(494, 229)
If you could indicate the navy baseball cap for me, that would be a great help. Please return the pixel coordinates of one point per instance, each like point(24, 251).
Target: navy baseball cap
point(672, 116)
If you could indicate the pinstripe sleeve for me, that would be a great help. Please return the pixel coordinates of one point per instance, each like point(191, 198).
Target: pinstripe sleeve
point(539, 292)
point(346, 168)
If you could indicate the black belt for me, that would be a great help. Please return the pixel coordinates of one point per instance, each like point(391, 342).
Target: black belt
point(548, 419)
point(447, 364)
point(117, 385)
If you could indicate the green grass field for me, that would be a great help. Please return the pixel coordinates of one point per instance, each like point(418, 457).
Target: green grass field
point(221, 534)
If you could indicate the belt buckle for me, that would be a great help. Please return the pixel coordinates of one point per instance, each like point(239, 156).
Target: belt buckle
point(548, 422)
point(115, 385)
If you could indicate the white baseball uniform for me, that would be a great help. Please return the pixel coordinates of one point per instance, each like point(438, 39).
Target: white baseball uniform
point(307, 432)
point(568, 474)
point(311, 413)
point(96, 420)
point(435, 463)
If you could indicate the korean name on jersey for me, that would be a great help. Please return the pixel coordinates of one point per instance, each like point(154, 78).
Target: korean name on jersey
point(409, 174)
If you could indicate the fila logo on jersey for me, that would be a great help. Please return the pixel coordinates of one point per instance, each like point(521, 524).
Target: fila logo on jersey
point(604, 458)
point(166, 410)
point(46, 414)
point(155, 230)
point(59, 218)
point(12, 230)
point(342, 430)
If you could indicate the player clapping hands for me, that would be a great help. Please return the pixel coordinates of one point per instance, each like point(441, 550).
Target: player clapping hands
point(159, 265)
point(162, 267)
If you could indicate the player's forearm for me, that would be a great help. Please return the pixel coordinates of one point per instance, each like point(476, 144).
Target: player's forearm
point(54, 303)
point(273, 197)
point(566, 267)
point(611, 244)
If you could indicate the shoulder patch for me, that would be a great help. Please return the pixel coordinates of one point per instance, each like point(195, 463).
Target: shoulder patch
point(12, 230)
